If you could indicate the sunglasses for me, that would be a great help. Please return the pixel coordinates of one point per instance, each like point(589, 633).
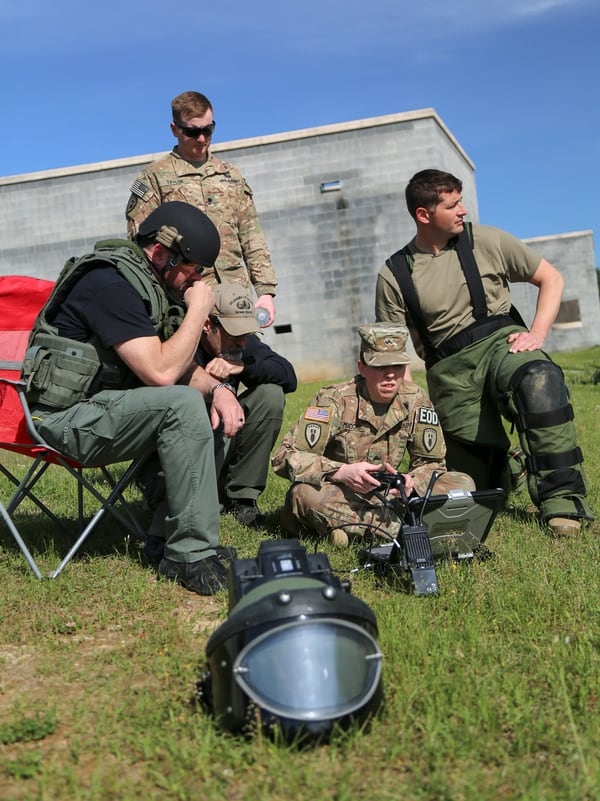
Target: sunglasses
point(178, 259)
point(194, 133)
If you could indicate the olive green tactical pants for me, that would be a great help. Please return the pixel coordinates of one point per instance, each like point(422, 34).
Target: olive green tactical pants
point(243, 461)
point(472, 392)
point(118, 425)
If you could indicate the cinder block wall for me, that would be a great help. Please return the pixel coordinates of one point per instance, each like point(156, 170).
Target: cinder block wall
point(573, 255)
point(327, 247)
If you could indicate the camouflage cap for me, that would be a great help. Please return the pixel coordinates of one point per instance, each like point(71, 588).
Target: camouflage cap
point(382, 344)
point(234, 309)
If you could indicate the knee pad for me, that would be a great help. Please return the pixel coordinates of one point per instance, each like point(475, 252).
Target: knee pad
point(537, 396)
point(539, 401)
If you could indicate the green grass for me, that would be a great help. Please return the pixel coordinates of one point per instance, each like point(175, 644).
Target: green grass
point(492, 687)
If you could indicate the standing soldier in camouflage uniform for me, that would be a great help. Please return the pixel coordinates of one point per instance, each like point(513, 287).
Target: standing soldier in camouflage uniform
point(192, 174)
point(353, 429)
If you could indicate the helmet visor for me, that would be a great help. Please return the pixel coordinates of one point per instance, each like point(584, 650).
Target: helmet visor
point(310, 670)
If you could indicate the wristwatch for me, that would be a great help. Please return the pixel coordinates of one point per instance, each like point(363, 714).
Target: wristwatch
point(230, 387)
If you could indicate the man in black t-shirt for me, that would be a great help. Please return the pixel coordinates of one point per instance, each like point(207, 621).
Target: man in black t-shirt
point(143, 392)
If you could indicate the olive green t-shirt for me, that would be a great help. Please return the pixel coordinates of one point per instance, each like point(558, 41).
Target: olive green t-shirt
point(442, 289)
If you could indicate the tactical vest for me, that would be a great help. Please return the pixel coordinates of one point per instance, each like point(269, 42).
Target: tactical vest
point(400, 265)
point(59, 372)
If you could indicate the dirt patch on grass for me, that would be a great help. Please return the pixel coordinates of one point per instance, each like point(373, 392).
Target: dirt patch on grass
point(31, 675)
point(90, 672)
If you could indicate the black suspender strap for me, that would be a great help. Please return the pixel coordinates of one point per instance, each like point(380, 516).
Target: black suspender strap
point(402, 272)
point(464, 248)
point(400, 265)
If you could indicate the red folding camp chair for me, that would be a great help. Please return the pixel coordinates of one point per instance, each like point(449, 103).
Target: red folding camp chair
point(21, 298)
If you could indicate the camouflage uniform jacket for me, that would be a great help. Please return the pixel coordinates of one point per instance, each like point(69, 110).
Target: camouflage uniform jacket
point(341, 426)
point(220, 191)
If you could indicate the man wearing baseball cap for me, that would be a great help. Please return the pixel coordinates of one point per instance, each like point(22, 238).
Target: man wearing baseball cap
point(353, 429)
point(234, 310)
point(259, 377)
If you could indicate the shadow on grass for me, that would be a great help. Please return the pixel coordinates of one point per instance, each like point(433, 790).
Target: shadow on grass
point(44, 538)
point(520, 515)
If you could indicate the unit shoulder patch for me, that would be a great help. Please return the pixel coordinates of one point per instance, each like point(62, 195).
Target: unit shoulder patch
point(312, 434)
point(430, 437)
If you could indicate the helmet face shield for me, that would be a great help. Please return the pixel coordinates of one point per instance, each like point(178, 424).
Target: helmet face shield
point(314, 669)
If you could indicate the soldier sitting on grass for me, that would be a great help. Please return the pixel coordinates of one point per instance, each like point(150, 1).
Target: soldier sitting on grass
point(351, 430)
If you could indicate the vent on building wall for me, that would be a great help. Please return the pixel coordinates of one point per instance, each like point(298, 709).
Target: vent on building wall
point(330, 186)
point(568, 315)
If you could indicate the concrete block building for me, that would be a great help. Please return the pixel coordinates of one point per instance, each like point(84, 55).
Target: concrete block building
point(331, 200)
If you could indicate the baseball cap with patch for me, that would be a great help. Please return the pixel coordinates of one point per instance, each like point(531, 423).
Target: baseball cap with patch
point(234, 309)
point(382, 344)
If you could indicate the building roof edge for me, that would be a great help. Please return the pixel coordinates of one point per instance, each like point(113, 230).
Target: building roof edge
point(257, 141)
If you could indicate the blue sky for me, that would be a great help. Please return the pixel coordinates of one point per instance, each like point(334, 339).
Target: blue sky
point(515, 81)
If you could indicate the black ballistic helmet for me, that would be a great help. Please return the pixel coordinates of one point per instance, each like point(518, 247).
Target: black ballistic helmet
point(185, 230)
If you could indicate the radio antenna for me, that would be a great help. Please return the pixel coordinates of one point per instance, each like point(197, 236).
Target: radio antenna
point(434, 477)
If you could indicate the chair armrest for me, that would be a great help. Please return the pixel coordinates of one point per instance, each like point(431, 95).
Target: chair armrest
point(19, 387)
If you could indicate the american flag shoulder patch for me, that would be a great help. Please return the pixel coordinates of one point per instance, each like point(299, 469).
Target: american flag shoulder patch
point(138, 188)
point(317, 414)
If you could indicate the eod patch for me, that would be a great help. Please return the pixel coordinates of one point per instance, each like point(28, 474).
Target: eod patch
point(427, 438)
